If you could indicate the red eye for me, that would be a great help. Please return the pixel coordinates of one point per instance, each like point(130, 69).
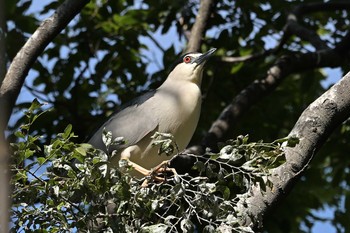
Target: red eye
point(187, 59)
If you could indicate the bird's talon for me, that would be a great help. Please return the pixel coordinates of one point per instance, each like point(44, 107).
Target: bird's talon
point(155, 172)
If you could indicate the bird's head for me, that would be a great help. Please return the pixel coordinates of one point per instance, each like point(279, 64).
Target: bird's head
point(190, 66)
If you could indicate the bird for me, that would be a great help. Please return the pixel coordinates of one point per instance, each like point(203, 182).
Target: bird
point(173, 108)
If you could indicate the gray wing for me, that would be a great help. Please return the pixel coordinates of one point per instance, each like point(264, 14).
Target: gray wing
point(133, 122)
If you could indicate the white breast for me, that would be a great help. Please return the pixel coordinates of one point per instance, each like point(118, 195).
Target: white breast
point(178, 113)
point(182, 105)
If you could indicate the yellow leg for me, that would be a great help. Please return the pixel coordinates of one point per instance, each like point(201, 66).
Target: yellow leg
point(163, 167)
point(140, 169)
point(153, 173)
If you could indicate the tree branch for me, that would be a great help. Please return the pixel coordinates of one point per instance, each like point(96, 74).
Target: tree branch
point(294, 28)
point(284, 66)
point(4, 153)
point(184, 27)
point(159, 46)
point(314, 126)
point(3, 59)
point(198, 29)
point(5, 187)
point(307, 8)
point(12, 82)
point(25, 58)
point(251, 57)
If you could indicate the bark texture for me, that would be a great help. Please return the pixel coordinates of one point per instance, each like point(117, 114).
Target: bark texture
point(313, 127)
point(25, 58)
point(198, 29)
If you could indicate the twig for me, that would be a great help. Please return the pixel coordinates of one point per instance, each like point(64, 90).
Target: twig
point(251, 57)
point(64, 198)
point(38, 94)
point(256, 91)
point(159, 46)
point(293, 27)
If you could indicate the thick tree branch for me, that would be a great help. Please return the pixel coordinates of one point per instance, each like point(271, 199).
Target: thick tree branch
point(12, 82)
point(25, 58)
point(284, 66)
point(198, 29)
point(5, 187)
point(314, 126)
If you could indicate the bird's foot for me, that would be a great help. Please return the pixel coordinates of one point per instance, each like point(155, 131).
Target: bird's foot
point(155, 173)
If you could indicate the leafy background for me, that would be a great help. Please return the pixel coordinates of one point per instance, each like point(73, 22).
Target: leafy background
point(89, 196)
point(103, 59)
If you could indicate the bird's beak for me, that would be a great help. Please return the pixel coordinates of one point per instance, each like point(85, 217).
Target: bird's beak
point(204, 57)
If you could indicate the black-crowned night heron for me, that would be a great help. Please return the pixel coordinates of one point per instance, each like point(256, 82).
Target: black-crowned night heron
point(172, 108)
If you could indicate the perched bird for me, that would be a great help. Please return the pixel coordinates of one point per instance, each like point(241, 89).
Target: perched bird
point(172, 108)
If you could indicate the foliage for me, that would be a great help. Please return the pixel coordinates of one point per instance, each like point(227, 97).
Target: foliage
point(102, 58)
point(69, 186)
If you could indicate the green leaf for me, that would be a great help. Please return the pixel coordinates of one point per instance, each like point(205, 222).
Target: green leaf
point(236, 67)
point(35, 105)
point(19, 134)
point(28, 153)
point(41, 160)
point(81, 150)
point(226, 193)
point(20, 175)
point(67, 132)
